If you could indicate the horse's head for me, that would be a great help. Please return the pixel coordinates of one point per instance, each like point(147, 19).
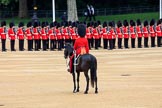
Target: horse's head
point(68, 51)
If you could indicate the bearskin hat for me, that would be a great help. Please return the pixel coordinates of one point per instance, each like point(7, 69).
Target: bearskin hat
point(62, 23)
point(145, 23)
point(98, 22)
point(113, 23)
point(81, 30)
point(119, 24)
point(21, 24)
point(3, 23)
point(66, 24)
point(51, 24)
point(11, 24)
point(43, 24)
point(29, 24)
point(88, 24)
point(104, 24)
point(85, 23)
point(35, 24)
point(74, 24)
point(95, 25)
point(46, 23)
point(91, 23)
point(134, 24)
point(58, 25)
point(138, 22)
point(125, 23)
point(158, 22)
point(131, 22)
point(152, 22)
point(110, 24)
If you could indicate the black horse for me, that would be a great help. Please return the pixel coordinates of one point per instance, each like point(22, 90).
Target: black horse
point(85, 62)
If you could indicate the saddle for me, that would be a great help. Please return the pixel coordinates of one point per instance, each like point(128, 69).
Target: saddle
point(77, 58)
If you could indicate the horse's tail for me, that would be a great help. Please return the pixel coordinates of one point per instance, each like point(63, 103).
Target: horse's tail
point(93, 70)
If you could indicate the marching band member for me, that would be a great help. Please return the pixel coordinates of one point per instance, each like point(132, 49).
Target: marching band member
point(145, 34)
point(152, 32)
point(139, 33)
point(21, 35)
point(3, 33)
point(29, 36)
point(12, 35)
point(119, 34)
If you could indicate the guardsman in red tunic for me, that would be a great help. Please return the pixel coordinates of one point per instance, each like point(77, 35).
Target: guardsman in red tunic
point(67, 33)
point(119, 34)
point(12, 36)
point(29, 36)
point(44, 36)
point(139, 33)
point(96, 35)
point(91, 30)
point(126, 33)
point(159, 33)
point(73, 33)
point(146, 33)
point(47, 35)
point(132, 33)
point(99, 33)
point(104, 35)
point(52, 36)
point(80, 46)
point(88, 34)
point(59, 37)
point(21, 35)
point(152, 30)
point(110, 35)
point(36, 32)
point(114, 34)
point(62, 34)
point(3, 33)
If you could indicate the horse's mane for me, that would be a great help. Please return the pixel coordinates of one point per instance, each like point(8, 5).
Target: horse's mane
point(70, 48)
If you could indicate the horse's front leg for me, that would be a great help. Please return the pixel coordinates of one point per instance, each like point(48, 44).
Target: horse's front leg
point(87, 79)
point(78, 75)
point(73, 74)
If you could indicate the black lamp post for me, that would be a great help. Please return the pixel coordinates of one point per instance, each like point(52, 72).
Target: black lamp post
point(35, 18)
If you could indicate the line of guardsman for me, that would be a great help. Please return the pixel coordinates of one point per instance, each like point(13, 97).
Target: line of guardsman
point(111, 32)
point(44, 36)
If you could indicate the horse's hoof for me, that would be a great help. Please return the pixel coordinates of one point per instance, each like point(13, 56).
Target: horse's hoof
point(74, 91)
point(96, 92)
point(85, 92)
point(77, 90)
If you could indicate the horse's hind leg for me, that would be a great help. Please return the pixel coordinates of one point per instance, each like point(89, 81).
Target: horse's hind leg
point(87, 79)
point(78, 75)
point(96, 88)
point(73, 74)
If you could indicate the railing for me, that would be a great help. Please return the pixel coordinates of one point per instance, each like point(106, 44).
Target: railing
point(98, 12)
